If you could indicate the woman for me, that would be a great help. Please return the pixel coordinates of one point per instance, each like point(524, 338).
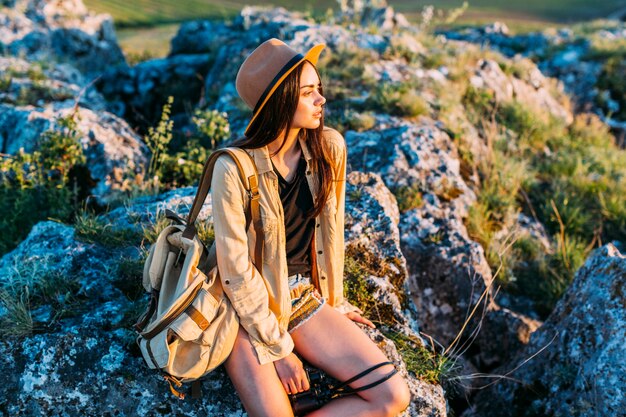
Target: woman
point(302, 169)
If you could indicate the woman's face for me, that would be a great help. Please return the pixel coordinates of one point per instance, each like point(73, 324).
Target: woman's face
point(309, 111)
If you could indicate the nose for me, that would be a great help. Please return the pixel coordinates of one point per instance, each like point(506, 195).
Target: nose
point(321, 100)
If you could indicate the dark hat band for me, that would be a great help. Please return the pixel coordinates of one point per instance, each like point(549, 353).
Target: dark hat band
point(286, 68)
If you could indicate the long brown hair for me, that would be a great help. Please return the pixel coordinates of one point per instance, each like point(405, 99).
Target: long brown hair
point(277, 116)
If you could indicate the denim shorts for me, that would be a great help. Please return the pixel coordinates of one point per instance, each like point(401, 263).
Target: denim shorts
point(305, 301)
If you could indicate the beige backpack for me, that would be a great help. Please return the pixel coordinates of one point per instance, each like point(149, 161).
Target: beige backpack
point(190, 325)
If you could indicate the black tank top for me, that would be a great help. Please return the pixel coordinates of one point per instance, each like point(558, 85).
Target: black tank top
point(297, 200)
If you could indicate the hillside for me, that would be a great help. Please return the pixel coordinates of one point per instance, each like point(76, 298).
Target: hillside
point(486, 174)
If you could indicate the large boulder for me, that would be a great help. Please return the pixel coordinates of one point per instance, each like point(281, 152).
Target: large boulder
point(448, 272)
point(59, 31)
point(138, 93)
point(575, 364)
point(37, 84)
point(534, 94)
point(114, 153)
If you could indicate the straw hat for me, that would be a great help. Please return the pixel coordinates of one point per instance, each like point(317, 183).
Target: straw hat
point(265, 68)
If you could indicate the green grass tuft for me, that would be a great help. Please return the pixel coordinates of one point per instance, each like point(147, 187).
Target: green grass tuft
point(424, 364)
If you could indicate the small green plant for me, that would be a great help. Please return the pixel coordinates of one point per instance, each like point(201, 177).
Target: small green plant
point(184, 167)
point(355, 194)
point(29, 286)
point(5, 82)
point(356, 289)
point(90, 227)
point(206, 232)
point(152, 231)
point(158, 140)
point(402, 99)
point(128, 277)
point(435, 238)
point(425, 364)
point(18, 321)
point(213, 127)
point(408, 197)
point(61, 149)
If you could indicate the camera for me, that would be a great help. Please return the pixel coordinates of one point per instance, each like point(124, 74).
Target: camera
point(320, 393)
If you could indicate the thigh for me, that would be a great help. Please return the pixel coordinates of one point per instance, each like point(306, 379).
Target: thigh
point(335, 344)
point(258, 386)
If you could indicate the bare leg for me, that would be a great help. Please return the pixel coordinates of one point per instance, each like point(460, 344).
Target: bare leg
point(258, 386)
point(336, 345)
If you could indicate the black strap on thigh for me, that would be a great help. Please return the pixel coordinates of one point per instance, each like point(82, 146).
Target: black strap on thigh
point(344, 389)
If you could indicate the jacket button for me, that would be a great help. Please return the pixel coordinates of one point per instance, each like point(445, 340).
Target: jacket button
point(227, 281)
point(319, 252)
point(323, 277)
point(317, 225)
point(308, 173)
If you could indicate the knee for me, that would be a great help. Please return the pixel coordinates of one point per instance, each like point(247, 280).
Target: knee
point(397, 397)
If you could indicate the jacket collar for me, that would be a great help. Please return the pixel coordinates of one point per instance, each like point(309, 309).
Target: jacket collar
point(264, 163)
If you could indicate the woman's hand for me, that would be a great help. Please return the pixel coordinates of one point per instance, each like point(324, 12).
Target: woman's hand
point(357, 318)
point(292, 374)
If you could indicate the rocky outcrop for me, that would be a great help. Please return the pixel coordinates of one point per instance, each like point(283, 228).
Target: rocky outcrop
point(59, 31)
point(373, 242)
point(138, 94)
point(114, 153)
point(448, 271)
point(532, 94)
point(577, 366)
point(36, 84)
point(562, 54)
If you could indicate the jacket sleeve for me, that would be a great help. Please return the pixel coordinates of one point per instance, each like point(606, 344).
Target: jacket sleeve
point(242, 282)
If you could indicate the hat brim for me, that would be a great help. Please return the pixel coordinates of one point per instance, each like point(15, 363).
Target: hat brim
point(312, 56)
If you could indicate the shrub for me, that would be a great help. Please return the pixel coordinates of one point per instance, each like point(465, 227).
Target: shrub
point(347, 118)
point(213, 127)
point(184, 167)
point(397, 99)
point(40, 185)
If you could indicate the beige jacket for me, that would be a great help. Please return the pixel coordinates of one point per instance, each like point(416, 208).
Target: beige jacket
point(262, 300)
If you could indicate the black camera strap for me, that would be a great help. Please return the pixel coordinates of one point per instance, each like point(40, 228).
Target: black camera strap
point(344, 389)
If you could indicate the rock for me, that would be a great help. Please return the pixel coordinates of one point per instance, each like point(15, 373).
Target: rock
point(36, 85)
point(376, 13)
point(372, 238)
point(561, 54)
point(448, 272)
point(114, 153)
point(427, 400)
point(200, 37)
point(138, 94)
point(60, 31)
point(490, 76)
point(579, 367)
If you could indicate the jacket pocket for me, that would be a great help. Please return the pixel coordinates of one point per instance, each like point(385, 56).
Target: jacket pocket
point(270, 239)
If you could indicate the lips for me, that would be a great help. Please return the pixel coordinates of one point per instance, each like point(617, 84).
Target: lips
point(318, 114)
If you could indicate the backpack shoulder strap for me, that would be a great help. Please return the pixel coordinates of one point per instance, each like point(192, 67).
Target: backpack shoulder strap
point(249, 177)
